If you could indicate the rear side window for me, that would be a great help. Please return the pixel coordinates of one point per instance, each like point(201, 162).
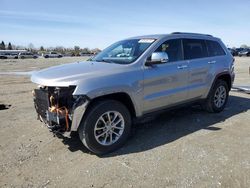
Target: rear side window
point(194, 48)
point(214, 48)
point(172, 48)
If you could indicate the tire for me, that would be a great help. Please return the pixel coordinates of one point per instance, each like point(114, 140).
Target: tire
point(212, 103)
point(97, 141)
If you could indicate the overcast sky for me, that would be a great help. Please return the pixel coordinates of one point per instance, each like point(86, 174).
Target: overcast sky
point(98, 23)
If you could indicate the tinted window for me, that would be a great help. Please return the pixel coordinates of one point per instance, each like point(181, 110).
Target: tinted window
point(194, 48)
point(214, 48)
point(172, 48)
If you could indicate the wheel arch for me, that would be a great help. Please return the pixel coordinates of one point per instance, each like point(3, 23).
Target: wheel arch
point(225, 76)
point(122, 97)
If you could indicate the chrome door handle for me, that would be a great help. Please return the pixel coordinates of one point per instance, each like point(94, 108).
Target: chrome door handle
point(182, 66)
point(211, 62)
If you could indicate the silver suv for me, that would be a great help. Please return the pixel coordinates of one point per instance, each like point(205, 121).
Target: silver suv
point(130, 80)
point(23, 55)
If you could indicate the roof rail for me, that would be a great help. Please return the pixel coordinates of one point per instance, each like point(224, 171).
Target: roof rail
point(190, 33)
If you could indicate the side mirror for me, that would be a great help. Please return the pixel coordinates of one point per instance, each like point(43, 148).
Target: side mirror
point(157, 58)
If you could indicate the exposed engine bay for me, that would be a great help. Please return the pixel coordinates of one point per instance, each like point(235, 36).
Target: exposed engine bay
point(55, 106)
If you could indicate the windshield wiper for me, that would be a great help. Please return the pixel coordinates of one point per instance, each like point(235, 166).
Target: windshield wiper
point(104, 60)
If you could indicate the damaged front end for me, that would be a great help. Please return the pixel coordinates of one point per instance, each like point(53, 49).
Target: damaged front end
point(59, 109)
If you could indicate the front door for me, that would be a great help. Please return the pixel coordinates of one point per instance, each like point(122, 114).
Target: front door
point(166, 84)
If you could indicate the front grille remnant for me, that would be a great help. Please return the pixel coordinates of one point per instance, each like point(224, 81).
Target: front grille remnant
point(41, 102)
point(54, 107)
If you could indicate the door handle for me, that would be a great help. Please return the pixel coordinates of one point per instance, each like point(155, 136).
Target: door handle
point(182, 66)
point(211, 62)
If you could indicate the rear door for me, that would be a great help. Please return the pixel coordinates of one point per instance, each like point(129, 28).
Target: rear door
point(166, 84)
point(195, 52)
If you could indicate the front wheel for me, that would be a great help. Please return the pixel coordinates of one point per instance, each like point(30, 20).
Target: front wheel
point(217, 98)
point(105, 127)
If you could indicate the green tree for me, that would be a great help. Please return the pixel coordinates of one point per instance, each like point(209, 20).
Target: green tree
point(9, 46)
point(41, 48)
point(2, 46)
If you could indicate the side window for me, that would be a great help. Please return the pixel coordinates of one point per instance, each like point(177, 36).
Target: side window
point(194, 48)
point(172, 48)
point(214, 48)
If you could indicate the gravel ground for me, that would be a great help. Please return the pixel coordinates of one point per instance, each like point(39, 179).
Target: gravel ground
point(182, 148)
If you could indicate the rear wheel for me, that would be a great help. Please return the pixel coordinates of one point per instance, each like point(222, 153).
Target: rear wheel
point(105, 127)
point(217, 98)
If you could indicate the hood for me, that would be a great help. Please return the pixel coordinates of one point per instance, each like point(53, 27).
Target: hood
point(73, 73)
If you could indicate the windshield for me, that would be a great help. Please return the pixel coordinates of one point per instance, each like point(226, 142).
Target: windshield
point(124, 52)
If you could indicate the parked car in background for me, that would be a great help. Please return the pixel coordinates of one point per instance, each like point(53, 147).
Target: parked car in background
point(85, 54)
point(52, 55)
point(239, 50)
point(245, 52)
point(69, 54)
point(23, 55)
point(233, 52)
point(2, 55)
point(8, 55)
point(129, 81)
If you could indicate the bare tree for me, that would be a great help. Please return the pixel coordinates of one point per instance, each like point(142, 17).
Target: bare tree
point(95, 51)
point(18, 47)
point(60, 49)
point(31, 47)
point(86, 50)
point(244, 46)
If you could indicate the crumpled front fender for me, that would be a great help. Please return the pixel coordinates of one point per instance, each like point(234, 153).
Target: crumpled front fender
point(79, 108)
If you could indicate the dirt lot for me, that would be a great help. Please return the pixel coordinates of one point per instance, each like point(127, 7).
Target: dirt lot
point(183, 148)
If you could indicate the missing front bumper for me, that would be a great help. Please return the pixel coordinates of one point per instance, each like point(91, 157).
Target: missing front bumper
point(64, 122)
